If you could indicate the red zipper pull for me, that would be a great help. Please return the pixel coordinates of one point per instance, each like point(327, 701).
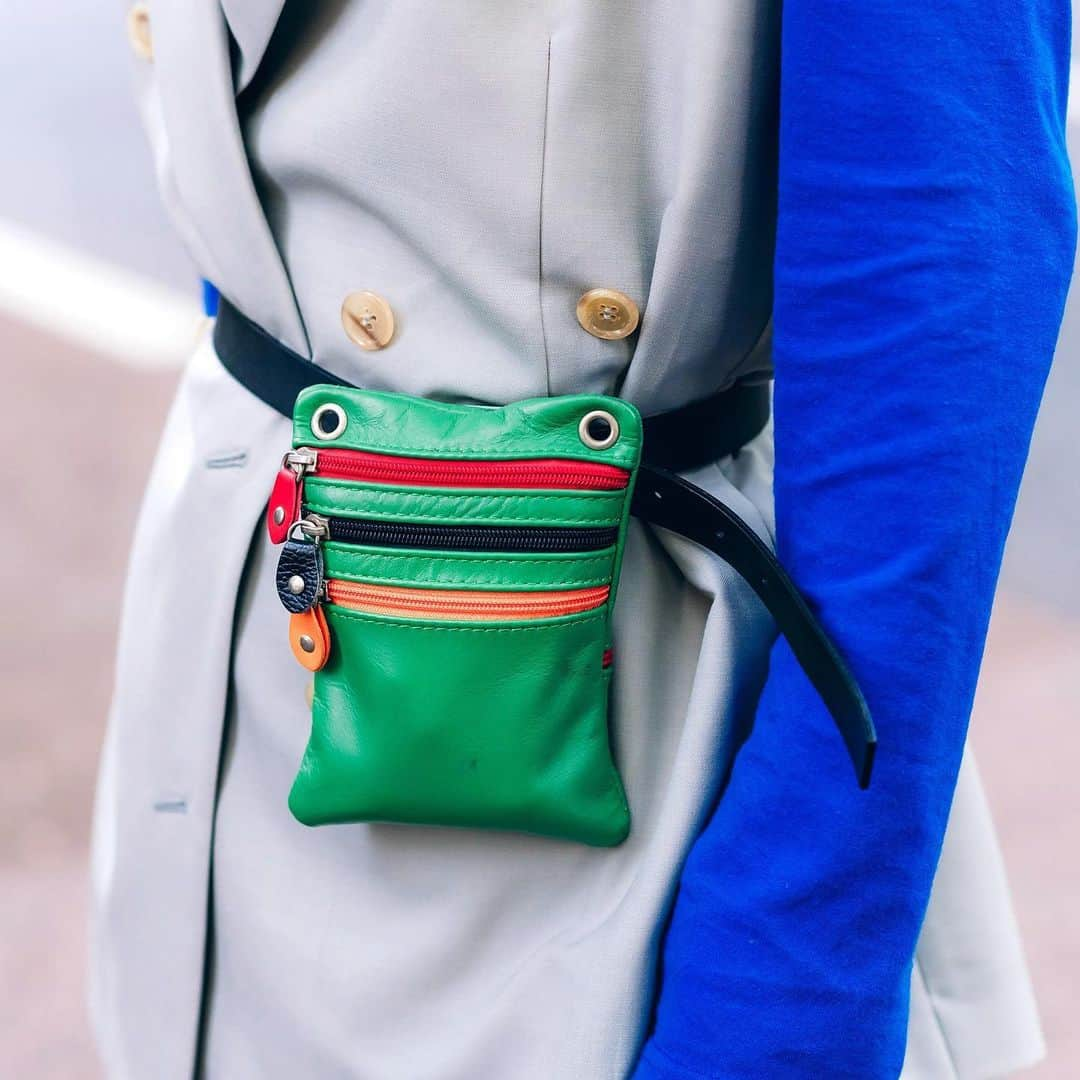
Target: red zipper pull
point(284, 506)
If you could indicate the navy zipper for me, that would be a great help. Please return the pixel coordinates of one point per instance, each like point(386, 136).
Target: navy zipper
point(505, 538)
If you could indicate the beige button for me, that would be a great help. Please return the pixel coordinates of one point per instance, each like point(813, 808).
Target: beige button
point(138, 27)
point(608, 313)
point(367, 319)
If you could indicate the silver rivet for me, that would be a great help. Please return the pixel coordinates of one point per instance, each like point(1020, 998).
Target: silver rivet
point(279, 515)
point(592, 441)
point(297, 584)
point(332, 430)
point(307, 643)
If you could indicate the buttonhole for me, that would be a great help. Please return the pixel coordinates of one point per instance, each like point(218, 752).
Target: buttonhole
point(236, 459)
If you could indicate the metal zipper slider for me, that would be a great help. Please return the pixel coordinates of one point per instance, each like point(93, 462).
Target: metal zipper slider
point(301, 461)
point(314, 527)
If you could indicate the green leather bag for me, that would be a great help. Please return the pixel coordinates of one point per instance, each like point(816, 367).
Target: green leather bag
point(450, 571)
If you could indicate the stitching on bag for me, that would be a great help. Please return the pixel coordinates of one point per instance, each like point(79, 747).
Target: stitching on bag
point(469, 562)
point(601, 577)
point(385, 492)
point(529, 584)
point(629, 443)
point(376, 497)
point(358, 616)
point(479, 518)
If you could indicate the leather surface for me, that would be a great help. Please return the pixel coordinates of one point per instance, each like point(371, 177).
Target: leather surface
point(485, 726)
point(441, 722)
point(463, 507)
point(284, 499)
point(420, 427)
point(468, 570)
point(310, 624)
point(299, 559)
point(460, 506)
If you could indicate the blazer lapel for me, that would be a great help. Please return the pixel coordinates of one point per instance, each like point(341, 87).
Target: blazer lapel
point(208, 168)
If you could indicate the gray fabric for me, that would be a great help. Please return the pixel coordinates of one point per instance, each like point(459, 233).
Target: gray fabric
point(480, 165)
point(970, 976)
point(546, 149)
point(251, 26)
point(186, 97)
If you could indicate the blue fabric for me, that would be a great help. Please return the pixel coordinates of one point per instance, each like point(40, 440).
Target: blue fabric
point(210, 298)
point(925, 242)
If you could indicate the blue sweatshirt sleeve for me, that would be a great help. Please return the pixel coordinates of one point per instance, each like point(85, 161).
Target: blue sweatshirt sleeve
point(925, 241)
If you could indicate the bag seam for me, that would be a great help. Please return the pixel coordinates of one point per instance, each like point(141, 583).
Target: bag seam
point(515, 586)
point(480, 561)
point(340, 611)
point(629, 447)
point(477, 519)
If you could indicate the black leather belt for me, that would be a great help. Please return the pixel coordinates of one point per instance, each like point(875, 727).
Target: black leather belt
point(675, 441)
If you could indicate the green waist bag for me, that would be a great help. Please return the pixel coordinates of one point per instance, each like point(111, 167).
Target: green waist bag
point(450, 573)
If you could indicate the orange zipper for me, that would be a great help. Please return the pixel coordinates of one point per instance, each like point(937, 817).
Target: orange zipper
point(463, 604)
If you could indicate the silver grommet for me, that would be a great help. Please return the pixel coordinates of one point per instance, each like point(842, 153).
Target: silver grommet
point(279, 515)
point(307, 643)
point(297, 585)
point(328, 421)
point(598, 430)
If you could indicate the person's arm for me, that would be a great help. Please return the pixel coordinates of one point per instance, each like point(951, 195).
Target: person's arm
point(926, 236)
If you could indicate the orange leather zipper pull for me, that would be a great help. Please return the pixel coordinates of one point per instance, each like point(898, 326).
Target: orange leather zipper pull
point(309, 637)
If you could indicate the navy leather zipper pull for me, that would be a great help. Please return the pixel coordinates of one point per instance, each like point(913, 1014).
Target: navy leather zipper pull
point(300, 567)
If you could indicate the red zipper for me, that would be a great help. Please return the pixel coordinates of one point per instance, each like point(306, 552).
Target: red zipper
point(556, 473)
point(559, 474)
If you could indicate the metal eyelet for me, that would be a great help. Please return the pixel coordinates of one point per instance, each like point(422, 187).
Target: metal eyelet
point(598, 430)
point(328, 410)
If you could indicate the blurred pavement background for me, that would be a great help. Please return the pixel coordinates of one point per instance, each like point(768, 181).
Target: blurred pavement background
point(97, 305)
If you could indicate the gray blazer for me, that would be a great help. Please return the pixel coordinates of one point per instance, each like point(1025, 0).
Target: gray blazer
point(475, 169)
